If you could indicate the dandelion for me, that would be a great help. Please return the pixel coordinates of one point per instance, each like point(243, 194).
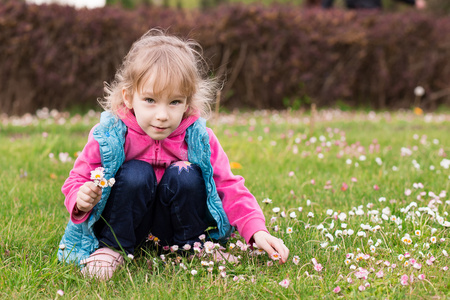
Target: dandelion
point(235, 165)
point(433, 239)
point(418, 233)
point(276, 209)
point(401, 257)
point(293, 215)
point(296, 260)
point(289, 230)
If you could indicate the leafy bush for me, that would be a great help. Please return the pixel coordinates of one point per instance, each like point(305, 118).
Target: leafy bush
point(57, 56)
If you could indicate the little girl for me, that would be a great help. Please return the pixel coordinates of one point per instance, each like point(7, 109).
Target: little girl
point(172, 177)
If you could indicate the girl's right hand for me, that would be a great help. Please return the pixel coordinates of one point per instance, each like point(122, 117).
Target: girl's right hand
point(88, 196)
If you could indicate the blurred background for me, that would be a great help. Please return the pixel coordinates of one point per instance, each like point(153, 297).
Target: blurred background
point(270, 54)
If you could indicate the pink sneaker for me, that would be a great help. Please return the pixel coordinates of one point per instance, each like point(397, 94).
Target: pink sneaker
point(101, 264)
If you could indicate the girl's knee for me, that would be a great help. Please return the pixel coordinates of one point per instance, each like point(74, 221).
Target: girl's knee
point(183, 176)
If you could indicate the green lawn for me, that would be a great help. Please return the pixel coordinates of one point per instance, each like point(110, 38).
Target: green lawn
point(385, 172)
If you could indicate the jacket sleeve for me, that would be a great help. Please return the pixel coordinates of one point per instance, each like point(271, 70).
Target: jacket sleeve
point(241, 207)
point(88, 160)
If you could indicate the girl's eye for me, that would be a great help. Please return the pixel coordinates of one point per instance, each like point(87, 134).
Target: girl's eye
point(149, 100)
point(175, 102)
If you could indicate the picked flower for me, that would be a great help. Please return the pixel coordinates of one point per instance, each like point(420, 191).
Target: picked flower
point(98, 177)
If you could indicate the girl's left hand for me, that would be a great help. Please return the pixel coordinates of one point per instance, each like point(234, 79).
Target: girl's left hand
point(271, 244)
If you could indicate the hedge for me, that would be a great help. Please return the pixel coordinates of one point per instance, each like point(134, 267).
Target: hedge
point(269, 56)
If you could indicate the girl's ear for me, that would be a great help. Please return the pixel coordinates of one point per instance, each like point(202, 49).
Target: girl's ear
point(126, 99)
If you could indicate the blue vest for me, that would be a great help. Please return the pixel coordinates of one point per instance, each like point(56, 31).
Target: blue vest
point(79, 241)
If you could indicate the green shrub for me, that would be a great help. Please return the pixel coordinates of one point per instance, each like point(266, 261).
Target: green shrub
point(58, 57)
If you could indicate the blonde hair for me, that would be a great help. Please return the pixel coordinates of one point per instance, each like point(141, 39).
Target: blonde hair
point(179, 67)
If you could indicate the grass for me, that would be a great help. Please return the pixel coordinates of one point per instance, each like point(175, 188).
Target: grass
point(278, 155)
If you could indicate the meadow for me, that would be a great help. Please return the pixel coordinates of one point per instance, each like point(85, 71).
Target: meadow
point(360, 198)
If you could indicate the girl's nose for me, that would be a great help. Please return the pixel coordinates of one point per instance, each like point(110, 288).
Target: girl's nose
point(162, 114)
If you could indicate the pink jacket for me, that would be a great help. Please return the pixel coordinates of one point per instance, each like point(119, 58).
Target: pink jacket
point(239, 204)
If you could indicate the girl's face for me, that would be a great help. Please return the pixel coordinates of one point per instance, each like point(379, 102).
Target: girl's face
point(158, 115)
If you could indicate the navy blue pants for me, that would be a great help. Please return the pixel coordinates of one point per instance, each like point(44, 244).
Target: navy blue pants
point(173, 210)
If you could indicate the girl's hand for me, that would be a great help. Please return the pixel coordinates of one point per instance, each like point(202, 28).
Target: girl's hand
point(271, 244)
point(88, 196)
